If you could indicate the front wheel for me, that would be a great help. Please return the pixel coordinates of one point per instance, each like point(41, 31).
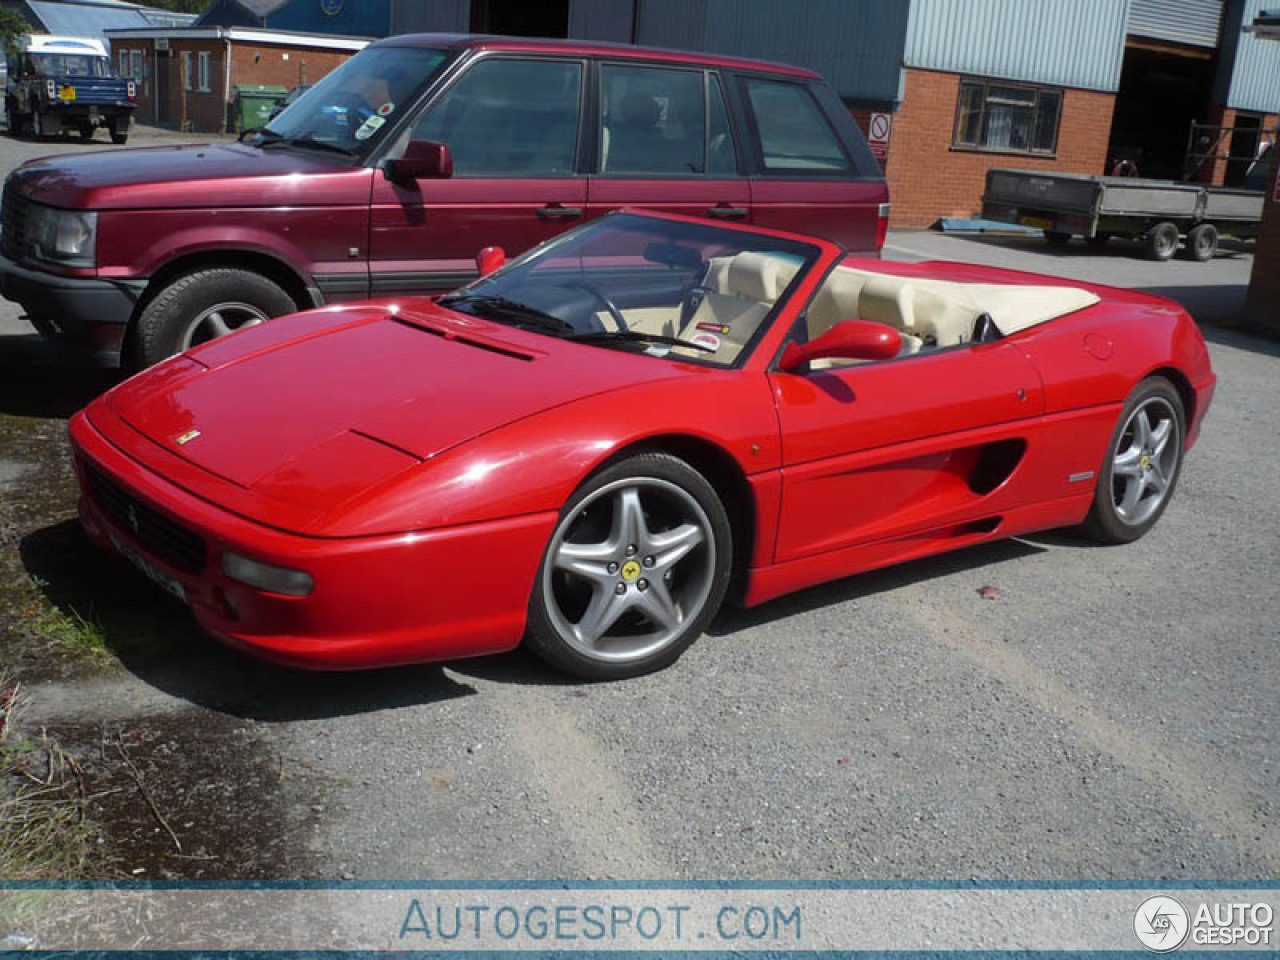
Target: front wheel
point(203, 306)
point(636, 568)
point(1141, 468)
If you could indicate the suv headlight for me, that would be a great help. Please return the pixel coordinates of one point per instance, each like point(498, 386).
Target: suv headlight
point(63, 236)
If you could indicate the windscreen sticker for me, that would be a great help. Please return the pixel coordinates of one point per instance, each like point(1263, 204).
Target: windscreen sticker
point(369, 127)
point(386, 109)
point(707, 340)
point(714, 327)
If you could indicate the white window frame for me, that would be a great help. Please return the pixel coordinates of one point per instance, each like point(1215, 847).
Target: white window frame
point(204, 68)
point(135, 65)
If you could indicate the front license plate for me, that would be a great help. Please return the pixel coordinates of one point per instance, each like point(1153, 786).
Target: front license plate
point(67, 93)
point(166, 583)
point(1044, 223)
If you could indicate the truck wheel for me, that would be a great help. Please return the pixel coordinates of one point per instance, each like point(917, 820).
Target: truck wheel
point(86, 131)
point(1056, 238)
point(1202, 242)
point(203, 306)
point(1161, 241)
point(117, 134)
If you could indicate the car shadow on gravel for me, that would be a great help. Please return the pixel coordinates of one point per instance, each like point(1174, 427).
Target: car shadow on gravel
point(159, 641)
point(36, 380)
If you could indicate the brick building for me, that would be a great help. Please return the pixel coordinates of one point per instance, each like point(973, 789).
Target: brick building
point(187, 77)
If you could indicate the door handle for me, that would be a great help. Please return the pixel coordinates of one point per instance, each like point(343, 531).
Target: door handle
point(556, 211)
point(723, 211)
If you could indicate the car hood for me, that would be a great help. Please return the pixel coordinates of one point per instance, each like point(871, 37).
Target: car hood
point(320, 407)
point(236, 174)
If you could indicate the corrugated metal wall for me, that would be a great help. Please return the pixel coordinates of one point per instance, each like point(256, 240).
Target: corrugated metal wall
point(1195, 22)
point(1255, 81)
point(610, 20)
point(1070, 43)
point(421, 16)
point(855, 44)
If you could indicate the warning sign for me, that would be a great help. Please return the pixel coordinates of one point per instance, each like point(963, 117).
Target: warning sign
point(878, 134)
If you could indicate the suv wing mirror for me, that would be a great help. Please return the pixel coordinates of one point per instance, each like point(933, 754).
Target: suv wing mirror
point(422, 160)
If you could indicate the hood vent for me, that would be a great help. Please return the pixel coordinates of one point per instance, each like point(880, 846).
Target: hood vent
point(502, 349)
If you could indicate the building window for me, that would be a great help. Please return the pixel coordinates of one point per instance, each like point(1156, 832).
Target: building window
point(188, 71)
point(1011, 119)
point(203, 72)
point(135, 65)
point(124, 64)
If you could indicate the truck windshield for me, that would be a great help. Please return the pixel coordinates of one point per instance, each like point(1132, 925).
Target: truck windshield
point(351, 108)
point(68, 65)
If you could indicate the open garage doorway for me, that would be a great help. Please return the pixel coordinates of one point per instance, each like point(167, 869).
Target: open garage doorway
point(521, 18)
point(1163, 89)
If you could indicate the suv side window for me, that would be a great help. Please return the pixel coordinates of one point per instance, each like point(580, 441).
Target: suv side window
point(509, 118)
point(654, 122)
point(795, 137)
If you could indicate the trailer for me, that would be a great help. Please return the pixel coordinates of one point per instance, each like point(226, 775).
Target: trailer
point(1157, 213)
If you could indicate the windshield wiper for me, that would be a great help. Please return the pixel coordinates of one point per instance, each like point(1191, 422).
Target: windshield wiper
point(494, 304)
point(635, 336)
point(308, 142)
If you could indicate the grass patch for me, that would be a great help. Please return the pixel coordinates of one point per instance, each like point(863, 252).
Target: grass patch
point(45, 832)
point(69, 628)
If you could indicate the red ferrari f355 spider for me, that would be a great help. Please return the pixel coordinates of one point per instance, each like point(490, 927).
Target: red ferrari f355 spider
point(589, 448)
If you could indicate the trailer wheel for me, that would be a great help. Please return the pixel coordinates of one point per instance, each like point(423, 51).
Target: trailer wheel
point(1099, 239)
point(1056, 238)
point(1202, 242)
point(1161, 241)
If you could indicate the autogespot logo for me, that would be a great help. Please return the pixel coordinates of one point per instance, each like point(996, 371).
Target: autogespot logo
point(1161, 923)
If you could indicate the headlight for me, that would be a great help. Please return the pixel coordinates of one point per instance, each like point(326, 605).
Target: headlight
point(65, 236)
point(295, 583)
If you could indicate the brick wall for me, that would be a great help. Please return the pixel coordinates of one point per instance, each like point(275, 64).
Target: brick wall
point(1264, 285)
point(929, 179)
point(281, 66)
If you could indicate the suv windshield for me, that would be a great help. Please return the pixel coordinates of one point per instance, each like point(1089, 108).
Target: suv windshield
point(351, 107)
point(661, 287)
point(68, 65)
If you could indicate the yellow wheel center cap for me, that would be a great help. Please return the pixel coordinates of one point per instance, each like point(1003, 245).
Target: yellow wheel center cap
point(630, 571)
point(1145, 463)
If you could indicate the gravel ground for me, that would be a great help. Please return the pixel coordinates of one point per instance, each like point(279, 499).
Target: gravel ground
point(1111, 714)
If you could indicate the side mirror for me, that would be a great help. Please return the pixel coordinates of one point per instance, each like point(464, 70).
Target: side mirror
point(422, 160)
point(851, 340)
point(490, 259)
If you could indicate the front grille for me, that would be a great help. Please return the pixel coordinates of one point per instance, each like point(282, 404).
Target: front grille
point(170, 542)
point(13, 222)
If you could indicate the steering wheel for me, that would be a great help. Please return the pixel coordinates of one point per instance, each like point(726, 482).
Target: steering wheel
point(604, 300)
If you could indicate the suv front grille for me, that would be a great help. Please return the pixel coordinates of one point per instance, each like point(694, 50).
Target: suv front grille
point(168, 541)
point(13, 222)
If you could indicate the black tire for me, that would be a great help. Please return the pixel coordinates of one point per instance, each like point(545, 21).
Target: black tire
point(162, 326)
point(1105, 522)
point(1099, 239)
point(13, 118)
point(1161, 241)
point(711, 562)
point(86, 131)
point(1202, 242)
point(1056, 238)
point(118, 136)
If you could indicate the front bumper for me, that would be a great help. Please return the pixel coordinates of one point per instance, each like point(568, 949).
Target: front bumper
point(378, 601)
point(84, 313)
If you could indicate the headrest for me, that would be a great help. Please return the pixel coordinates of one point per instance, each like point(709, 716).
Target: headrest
point(640, 110)
point(759, 276)
point(887, 300)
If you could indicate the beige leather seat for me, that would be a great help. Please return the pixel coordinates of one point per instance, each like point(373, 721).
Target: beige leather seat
point(740, 292)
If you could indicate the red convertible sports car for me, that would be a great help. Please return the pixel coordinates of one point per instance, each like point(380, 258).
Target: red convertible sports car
point(589, 448)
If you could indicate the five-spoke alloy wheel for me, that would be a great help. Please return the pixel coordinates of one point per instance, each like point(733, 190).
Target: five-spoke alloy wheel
point(637, 566)
point(1142, 463)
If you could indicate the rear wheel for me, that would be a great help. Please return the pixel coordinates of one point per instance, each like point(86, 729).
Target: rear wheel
point(86, 131)
point(203, 306)
point(635, 570)
point(1056, 238)
point(1202, 242)
point(1161, 241)
point(1141, 468)
point(119, 131)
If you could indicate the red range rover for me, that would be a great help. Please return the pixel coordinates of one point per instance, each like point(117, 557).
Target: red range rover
point(392, 172)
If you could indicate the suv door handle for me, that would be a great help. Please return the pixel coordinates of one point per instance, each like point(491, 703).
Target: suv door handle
point(556, 211)
point(722, 211)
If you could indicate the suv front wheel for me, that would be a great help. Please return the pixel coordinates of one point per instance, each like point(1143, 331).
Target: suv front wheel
point(205, 305)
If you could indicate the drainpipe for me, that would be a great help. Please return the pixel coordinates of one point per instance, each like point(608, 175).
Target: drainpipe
point(226, 80)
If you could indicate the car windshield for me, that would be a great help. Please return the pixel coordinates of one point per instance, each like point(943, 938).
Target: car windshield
point(70, 65)
point(352, 107)
point(665, 288)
